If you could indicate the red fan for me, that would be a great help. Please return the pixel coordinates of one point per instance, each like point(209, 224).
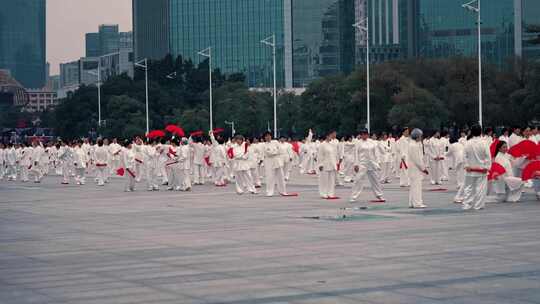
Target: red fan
point(296, 147)
point(496, 171)
point(525, 148)
point(218, 130)
point(532, 170)
point(493, 148)
point(196, 133)
point(230, 153)
point(155, 134)
point(120, 172)
point(207, 160)
point(175, 130)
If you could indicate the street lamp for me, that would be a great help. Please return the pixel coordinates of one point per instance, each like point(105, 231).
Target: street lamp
point(476, 9)
point(365, 28)
point(208, 54)
point(271, 41)
point(145, 67)
point(231, 123)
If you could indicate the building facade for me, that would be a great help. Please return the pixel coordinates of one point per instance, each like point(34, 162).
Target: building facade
point(150, 28)
point(234, 29)
point(22, 41)
point(93, 48)
point(69, 74)
point(40, 100)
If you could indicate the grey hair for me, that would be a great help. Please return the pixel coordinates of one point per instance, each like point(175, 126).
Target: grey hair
point(416, 134)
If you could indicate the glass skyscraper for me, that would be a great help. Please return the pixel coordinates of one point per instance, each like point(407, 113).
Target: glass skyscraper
point(22, 41)
point(150, 28)
point(447, 29)
point(322, 39)
point(234, 29)
point(530, 39)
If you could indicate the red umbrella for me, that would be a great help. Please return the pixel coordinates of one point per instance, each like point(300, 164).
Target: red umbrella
point(532, 170)
point(525, 148)
point(493, 148)
point(496, 171)
point(218, 130)
point(196, 133)
point(175, 130)
point(155, 134)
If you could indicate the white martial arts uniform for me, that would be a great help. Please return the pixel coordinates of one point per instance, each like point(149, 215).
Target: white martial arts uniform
point(507, 187)
point(416, 170)
point(273, 166)
point(327, 160)
point(101, 158)
point(403, 150)
point(241, 169)
point(477, 156)
point(366, 161)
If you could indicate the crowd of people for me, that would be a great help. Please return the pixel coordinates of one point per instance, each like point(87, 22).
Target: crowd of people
point(177, 163)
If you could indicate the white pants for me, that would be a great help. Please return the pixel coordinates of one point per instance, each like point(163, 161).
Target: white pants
point(386, 172)
point(536, 186)
point(219, 175)
point(256, 175)
point(436, 171)
point(244, 181)
point(151, 179)
point(101, 175)
point(475, 191)
point(186, 179)
point(360, 180)
point(287, 167)
point(403, 177)
point(11, 172)
point(415, 191)
point(37, 172)
point(327, 183)
point(199, 174)
point(138, 170)
point(130, 181)
point(24, 173)
point(273, 177)
point(79, 175)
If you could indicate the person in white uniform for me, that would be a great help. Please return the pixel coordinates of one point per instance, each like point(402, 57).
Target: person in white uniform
point(417, 169)
point(101, 157)
point(366, 165)
point(327, 161)
point(477, 165)
point(273, 165)
point(507, 187)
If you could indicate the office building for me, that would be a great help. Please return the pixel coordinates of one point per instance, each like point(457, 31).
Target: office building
point(93, 48)
point(234, 29)
point(40, 100)
point(108, 40)
point(69, 74)
point(22, 41)
point(150, 29)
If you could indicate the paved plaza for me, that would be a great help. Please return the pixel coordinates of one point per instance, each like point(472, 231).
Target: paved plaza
point(71, 244)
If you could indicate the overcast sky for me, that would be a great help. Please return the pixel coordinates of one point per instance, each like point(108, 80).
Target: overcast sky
point(69, 20)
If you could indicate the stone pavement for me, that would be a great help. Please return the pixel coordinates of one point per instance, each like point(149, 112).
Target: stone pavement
point(71, 244)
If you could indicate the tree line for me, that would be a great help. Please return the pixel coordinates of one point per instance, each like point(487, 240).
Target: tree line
point(429, 94)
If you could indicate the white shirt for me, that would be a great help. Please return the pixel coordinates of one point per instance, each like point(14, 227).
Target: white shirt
point(477, 155)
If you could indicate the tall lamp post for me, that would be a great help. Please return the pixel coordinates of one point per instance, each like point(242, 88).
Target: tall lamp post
point(208, 54)
point(476, 9)
point(145, 67)
point(271, 41)
point(365, 28)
